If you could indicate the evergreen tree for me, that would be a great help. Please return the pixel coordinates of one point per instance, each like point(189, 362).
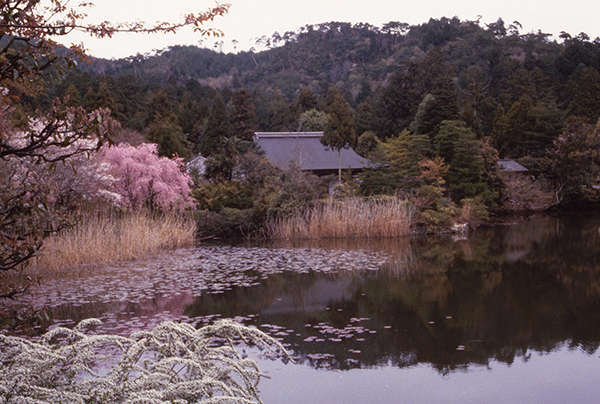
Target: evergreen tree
point(217, 129)
point(365, 118)
point(574, 160)
point(419, 125)
point(443, 107)
point(339, 132)
point(189, 113)
point(169, 137)
point(395, 105)
point(520, 123)
point(243, 115)
point(467, 173)
point(364, 93)
point(281, 115)
point(160, 107)
point(448, 135)
point(586, 95)
point(499, 127)
point(306, 100)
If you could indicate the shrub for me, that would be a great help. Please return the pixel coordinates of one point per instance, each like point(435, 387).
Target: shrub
point(473, 212)
point(230, 194)
point(228, 222)
point(170, 363)
point(295, 190)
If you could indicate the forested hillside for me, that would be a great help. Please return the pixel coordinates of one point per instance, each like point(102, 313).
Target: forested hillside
point(489, 70)
point(427, 91)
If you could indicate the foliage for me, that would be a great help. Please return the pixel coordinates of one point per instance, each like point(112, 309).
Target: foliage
point(473, 212)
point(29, 58)
point(295, 190)
point(367, 143)
point(435, 210)
point(400, 161)
point(574, 161)
point(43, 175)
point(256, 192)
point(230, 194)
point(243, 115)
point(169, 138)
point(171, 363)
point(142, 178)
point(339, 132)
point(585, 103)
point(468, 175)
point(511, 90)
point(217, 129)
point(312, 120)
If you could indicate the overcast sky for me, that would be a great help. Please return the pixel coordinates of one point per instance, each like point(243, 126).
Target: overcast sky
point(250, 19)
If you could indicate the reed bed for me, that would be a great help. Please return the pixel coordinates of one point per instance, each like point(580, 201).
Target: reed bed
point(104, 238)
point(347, 218)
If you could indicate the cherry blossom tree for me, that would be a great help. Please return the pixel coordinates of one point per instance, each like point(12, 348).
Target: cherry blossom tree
point(142, 178)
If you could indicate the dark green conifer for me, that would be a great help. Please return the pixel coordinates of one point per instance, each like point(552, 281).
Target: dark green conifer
point(586, 95)
point(243, 119)
point(217, 129)
point(339, 132)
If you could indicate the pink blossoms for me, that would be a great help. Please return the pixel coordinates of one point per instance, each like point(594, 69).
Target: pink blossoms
point(144, 178)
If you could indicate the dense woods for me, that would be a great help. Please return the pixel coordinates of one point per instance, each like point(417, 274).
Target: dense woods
point(447, 96)
point(433, 106)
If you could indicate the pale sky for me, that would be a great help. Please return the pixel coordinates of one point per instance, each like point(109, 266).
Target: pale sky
point(250, 19)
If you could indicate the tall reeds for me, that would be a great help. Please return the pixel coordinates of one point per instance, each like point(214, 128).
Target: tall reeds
point(103, 238)
point(347, 218)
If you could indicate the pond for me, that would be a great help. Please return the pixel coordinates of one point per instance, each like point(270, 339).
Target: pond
point(509, 314)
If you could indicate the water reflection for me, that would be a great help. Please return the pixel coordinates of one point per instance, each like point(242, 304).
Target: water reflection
point(496, 296)
point(451, 303)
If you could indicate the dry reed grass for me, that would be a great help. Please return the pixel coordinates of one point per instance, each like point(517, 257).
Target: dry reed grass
point(104, 238)
point(348, 218)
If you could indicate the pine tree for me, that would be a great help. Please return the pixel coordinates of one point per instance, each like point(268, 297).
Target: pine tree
point(520, 123)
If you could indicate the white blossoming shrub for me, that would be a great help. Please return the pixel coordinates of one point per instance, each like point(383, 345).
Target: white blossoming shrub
point(173, 363)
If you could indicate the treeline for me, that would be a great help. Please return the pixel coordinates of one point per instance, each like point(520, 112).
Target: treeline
point(435, 104)
point(517, 88)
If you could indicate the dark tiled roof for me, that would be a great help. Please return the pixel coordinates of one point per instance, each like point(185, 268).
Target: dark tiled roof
point(511, 166)
point(305, 150)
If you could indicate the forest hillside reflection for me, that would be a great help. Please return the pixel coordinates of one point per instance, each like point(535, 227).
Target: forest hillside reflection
point(497, 295)
point(451, 303)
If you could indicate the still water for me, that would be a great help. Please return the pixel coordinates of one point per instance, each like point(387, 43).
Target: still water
point(509, 314)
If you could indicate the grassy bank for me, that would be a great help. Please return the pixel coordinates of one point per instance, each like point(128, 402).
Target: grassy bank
point(103, 238)
point(348, 218)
